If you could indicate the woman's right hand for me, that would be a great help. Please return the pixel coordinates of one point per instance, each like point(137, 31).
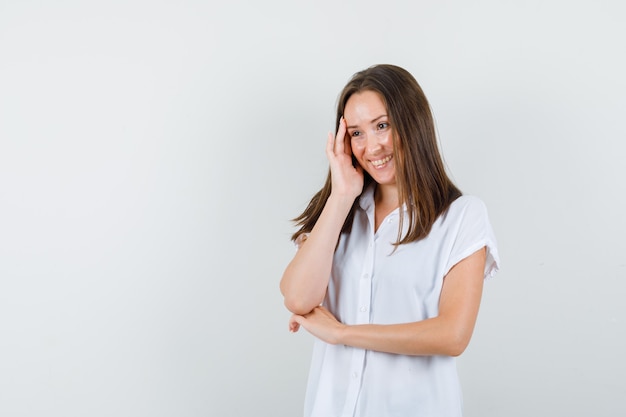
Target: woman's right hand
point(347, 180)
point(305, 280)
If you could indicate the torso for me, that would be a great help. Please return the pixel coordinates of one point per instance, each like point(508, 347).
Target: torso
point(374, 283)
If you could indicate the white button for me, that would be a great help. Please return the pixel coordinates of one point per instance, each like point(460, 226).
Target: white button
point(363, 309)
point(389, 220)
point(355, 375)
point(365, 276)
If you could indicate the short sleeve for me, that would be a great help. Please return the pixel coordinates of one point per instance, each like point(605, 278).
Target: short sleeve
point(471, 230)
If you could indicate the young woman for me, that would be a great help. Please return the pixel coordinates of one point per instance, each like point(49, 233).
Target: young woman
point(391, 260)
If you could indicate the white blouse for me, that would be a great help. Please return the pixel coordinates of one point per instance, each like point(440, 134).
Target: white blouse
point(370, 284)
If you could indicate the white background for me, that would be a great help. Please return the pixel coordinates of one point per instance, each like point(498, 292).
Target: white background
point(153, 152)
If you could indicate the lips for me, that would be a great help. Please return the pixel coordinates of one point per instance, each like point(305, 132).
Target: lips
point(379, 163)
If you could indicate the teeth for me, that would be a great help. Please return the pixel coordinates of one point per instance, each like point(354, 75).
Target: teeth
point(381, 161)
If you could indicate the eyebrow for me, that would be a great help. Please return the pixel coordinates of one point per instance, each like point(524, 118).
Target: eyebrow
point(373, 121)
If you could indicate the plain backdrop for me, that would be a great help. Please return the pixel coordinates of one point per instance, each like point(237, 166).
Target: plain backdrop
point(153, 152)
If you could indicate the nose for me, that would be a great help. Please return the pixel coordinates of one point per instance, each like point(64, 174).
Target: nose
point(373, 145)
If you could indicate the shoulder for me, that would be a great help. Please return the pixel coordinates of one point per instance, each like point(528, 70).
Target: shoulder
point(468, 200)
point(467, 215)
point(466, 206)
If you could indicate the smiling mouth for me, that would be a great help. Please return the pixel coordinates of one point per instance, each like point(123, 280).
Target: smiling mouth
point(380, 162)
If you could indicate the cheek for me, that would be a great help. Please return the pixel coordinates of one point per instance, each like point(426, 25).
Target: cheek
point(357, 147)
point(389, 139)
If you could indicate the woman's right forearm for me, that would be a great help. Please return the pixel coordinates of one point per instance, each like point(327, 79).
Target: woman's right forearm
point(305, 279)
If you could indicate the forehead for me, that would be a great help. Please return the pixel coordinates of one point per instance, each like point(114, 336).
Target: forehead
point(365, 105)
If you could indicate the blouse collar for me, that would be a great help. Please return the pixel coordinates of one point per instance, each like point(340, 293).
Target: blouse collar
point(366, 200)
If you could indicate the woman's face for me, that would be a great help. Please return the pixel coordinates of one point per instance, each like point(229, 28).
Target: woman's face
point(371, 135)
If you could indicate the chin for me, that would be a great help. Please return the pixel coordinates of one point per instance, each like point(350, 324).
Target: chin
point(384, 180)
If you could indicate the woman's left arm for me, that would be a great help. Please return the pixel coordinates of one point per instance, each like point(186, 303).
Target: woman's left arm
point(447, 334)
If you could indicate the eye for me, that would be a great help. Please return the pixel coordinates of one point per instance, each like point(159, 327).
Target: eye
point(355, 133)
point(382, 125)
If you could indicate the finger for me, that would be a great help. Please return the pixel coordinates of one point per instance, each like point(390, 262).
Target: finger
point(348, 145)
point(294, 327)
point(324, 311)
point(340, 138)
point(293, 324)
point(330, 145)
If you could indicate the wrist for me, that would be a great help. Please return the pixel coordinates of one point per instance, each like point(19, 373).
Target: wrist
point(342, 334)
point(341, 200)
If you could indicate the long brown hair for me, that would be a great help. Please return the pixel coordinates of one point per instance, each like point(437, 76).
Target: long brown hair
point(423, 185)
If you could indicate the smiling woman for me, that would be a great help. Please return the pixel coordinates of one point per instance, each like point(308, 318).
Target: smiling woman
point(391, 260)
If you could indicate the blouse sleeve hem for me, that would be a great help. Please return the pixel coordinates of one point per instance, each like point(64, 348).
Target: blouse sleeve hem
point(492, 260)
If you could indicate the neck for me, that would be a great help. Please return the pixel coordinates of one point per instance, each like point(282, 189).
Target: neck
point(386, 196)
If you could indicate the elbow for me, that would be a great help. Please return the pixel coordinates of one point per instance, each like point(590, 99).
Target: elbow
point(297, 306)
point(456, 344)
point(456, 349)
point(292, 302)
point(298, 300)
point(453, 336)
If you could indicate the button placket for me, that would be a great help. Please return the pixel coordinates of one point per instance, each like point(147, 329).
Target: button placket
point(356, 373)
point(365, 285)
point(362, 317)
